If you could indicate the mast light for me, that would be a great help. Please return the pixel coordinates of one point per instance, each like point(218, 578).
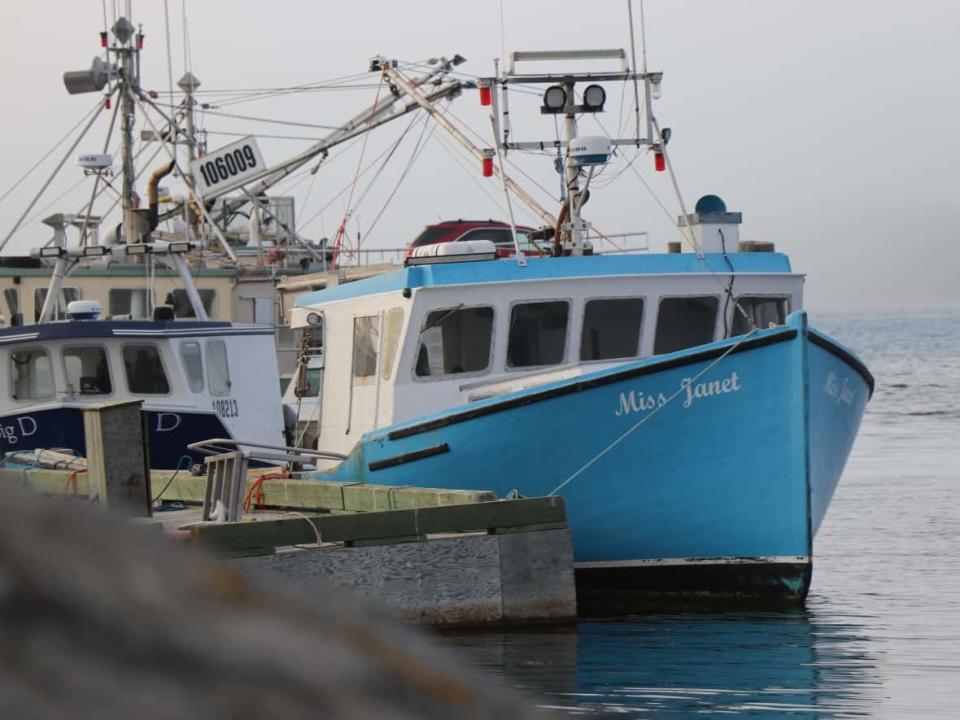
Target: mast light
point(655, 79)
point(486, 91)
point(554, 100)
point(594, 96)
point(487, 162)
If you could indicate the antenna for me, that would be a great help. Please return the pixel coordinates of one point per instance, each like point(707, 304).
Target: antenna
point(633, 63)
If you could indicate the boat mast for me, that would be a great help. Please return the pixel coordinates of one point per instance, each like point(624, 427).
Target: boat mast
point(572, 172)
point(128, 80)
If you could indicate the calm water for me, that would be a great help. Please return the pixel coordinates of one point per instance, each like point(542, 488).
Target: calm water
point(880, 634)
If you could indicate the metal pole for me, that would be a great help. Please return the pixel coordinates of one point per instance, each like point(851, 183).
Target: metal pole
point(181, 265)
point(203, 211)
point(128, 82)
point(572, 172)
point(633, 61)
point(50, 302)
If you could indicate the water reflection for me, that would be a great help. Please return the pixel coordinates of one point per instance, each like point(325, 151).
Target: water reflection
point(676, 666)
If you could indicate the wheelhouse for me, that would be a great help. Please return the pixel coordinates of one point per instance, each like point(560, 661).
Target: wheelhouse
point(428, 338)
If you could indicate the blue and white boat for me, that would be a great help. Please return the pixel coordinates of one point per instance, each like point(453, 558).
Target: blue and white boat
point(196, 380)
point(696, 426)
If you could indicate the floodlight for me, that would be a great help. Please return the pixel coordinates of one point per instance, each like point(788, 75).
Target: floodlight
point(84, 81)
point(137, 249)
point(594, 96)
point(94, 251)
point(554, 99)
point(54, 251)
point(180, 246)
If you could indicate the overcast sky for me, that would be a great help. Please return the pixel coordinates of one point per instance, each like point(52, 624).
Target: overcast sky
point(834, 126)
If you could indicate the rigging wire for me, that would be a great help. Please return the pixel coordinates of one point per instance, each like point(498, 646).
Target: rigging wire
point(347, 187)
point(56, 170)
point(166, 27)
point(52, 150)
point(414, 155)
point(303, 138)
point(342, 229)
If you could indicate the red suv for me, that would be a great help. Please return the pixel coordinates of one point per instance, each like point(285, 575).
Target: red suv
point(497, 232)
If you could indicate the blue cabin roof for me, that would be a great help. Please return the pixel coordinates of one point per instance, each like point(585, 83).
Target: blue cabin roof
point(507, 270)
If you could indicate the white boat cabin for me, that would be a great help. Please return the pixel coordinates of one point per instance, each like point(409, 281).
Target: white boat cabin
point(435, 336)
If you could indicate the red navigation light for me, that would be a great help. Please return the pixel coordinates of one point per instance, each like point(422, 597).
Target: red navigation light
point(486, 96)
point(140, 41)
point(487, 166)
point(103, 39)
point(106, 102)
point(659, 161)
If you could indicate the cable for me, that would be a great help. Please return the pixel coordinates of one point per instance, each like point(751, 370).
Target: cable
point(50, 152)
point(170, 481)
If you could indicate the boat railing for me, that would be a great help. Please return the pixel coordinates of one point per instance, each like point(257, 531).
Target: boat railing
point(262, 451)
point(371, 256)
point(620, 243)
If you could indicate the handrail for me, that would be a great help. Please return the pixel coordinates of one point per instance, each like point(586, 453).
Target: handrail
point(216, 446)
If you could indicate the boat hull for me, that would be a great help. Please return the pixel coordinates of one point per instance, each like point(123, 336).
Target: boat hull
point(169, 432)
point(687, 475)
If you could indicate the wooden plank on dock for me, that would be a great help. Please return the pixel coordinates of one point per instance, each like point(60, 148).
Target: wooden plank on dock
point(182, 486)
point(231, 538)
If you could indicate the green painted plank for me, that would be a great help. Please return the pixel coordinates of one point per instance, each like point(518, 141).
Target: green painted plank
point(362, 527)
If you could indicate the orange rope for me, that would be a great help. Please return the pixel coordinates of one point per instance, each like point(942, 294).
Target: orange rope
point(255, 496)
point(72, 480)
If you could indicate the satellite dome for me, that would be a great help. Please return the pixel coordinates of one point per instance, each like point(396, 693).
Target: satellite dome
point(710, 204)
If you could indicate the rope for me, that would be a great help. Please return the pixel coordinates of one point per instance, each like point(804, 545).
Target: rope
point(255, 497)
point(316, 530)
point(72, 480)
point(653, 412)
point(170, 481)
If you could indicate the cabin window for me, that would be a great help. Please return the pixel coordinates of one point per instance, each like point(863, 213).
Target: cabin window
point(67, 296)
point(391, 340)
point(218, 369)
point(87, 370)
point(611, 329)
point(761, 312)
point(366, 341)
point(685, 322)
point(134, 302)
point(455, 340)
point(12, 296)
point(538, 333)
point(145, 375)
point(31, 374)
point(181, 302)
point(192, 358)
point(312, 381)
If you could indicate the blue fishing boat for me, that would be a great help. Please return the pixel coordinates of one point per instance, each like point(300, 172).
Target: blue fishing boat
point(694, 423)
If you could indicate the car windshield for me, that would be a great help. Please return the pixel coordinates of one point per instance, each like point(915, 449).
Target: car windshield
point(429, 236)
